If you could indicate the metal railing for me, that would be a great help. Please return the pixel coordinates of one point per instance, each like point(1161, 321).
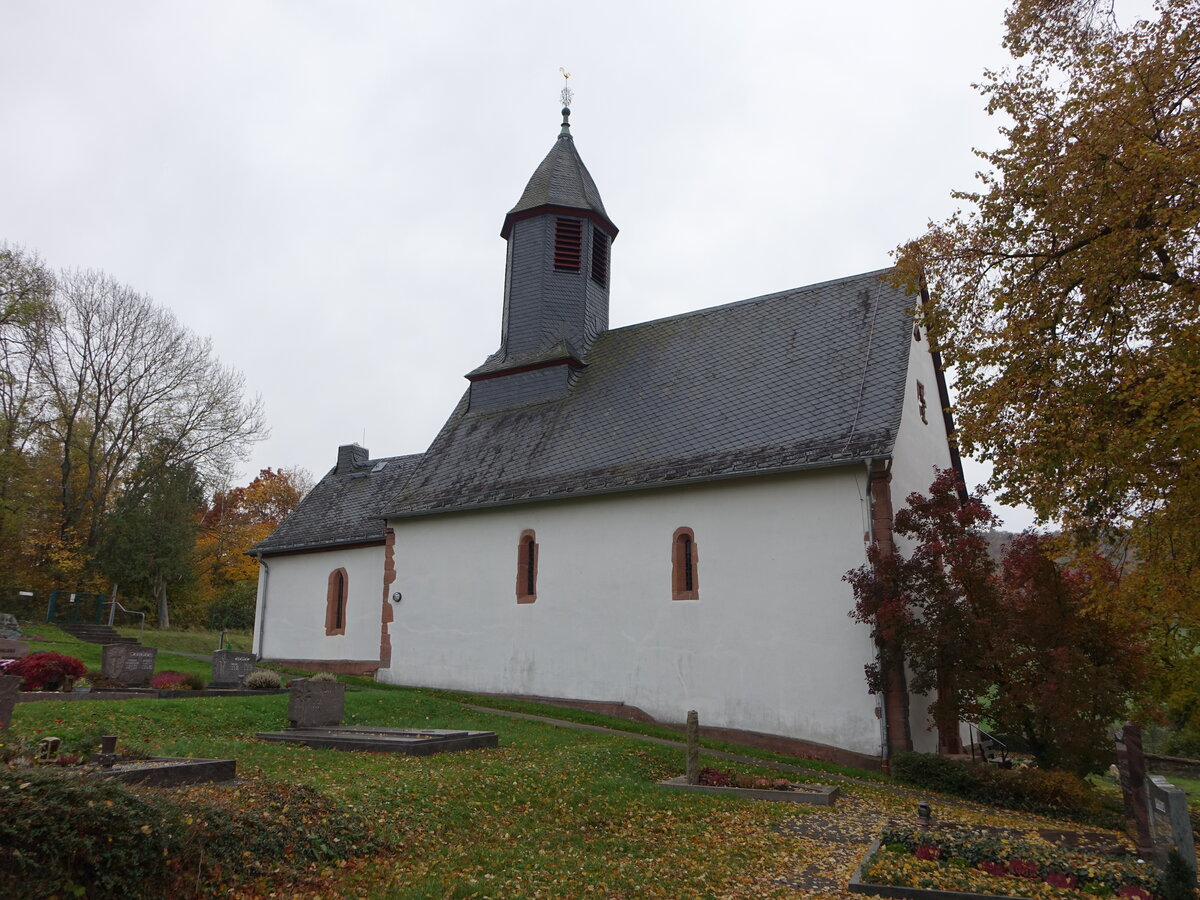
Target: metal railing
point(114, 605)
point(978, 737)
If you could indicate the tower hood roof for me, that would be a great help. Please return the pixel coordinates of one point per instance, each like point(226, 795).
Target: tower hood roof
point(562, 182)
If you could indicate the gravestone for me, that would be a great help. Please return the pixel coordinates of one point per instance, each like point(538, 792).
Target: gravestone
point(130, 665)
point(9, 626)
point(316, 704)
point(13, 649)
point(230, 668)
point(1131, 768)
point(10, 685)
point(1170, 826)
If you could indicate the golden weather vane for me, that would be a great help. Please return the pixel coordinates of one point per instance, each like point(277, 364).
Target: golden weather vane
point(567, 94)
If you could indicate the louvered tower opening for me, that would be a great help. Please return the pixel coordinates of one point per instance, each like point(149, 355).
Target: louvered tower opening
point(599, 257)
point(568, 245)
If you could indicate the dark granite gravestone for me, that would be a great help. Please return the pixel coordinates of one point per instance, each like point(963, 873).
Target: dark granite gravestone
point(230, 668)
point(128, 664)
point(9, 686)
point(316, 704)
point(1170, 826)
point(1131, 768)
point(13, 649)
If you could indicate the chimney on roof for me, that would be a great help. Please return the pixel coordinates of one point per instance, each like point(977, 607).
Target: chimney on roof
point(350, 457)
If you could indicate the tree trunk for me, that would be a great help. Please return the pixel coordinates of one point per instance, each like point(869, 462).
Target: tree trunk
point(160, 597)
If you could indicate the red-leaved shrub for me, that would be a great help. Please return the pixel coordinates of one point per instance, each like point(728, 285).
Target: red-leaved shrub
point(167, 680)
point(46, 670)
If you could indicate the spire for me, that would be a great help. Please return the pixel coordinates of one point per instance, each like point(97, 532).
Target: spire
point(562, 181)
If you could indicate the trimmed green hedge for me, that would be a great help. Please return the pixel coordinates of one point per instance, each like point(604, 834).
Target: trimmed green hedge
point(1044, 791)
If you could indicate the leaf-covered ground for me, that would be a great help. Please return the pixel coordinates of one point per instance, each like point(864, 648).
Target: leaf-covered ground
point(552, 812)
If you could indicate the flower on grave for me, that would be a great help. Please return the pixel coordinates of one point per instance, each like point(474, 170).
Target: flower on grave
point(928, 851)
point(1023, 868)
point(1061, 880)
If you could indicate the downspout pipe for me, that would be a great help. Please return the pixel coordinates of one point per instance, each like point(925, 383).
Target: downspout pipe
point(880, 705)
point(261, 620)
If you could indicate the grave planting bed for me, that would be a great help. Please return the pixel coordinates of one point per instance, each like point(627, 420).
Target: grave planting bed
point(411, 742)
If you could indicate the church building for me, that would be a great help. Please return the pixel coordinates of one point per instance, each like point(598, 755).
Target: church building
point(659, 515)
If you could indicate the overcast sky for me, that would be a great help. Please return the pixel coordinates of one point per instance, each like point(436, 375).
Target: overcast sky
point(319, 186)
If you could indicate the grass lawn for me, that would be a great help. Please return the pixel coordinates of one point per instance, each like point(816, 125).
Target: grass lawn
point(550, 813)
point(51, 638)
point(189, 641)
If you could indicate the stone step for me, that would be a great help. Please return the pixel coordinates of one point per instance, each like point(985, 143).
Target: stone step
point(97, 634)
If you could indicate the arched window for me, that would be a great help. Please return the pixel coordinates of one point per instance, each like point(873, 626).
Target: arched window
point(685, 573)
point(527, 557)
point(335, 602)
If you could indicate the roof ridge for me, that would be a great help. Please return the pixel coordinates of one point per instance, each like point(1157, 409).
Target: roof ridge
point(749, 300)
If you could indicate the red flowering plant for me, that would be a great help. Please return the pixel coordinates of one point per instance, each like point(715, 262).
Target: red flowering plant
point(46, 670)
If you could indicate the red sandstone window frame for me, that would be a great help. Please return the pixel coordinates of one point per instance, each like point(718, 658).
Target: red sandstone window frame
point(527, 566)
point(685, 569)
point(335, 602)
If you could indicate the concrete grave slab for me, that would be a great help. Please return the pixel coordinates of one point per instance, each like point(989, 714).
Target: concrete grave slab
point(385, 740)
point(812, 794)
point(173, 771)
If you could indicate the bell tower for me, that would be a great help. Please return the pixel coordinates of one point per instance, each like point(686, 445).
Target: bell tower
point(555, 282)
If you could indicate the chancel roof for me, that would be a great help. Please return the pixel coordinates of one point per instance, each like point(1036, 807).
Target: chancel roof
point(800, 379)
point(344, 507)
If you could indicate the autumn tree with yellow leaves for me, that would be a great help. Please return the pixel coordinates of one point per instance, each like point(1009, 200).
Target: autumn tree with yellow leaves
point(1065, 297)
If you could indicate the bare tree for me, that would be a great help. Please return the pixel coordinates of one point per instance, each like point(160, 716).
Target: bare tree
point(122, 376)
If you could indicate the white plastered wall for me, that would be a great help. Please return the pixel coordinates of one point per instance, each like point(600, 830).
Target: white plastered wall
point(768, 646)
point(295, 590)
point(920, 445)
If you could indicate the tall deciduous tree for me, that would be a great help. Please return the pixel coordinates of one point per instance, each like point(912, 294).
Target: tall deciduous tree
point(239, 518)
point(121, 375)
point(1066, 295)
point(26, 291)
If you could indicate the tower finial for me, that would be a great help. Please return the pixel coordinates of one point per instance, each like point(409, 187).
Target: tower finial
point(567, 94)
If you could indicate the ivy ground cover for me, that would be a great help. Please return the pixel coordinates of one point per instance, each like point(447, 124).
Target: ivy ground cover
point(1007, 863)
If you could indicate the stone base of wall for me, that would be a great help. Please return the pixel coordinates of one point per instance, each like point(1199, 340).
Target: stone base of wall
point(774, 742)
point(337, 666)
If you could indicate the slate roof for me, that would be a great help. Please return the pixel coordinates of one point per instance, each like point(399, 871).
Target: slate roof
point(561, 180)
point(342, 508)
point(809, 377)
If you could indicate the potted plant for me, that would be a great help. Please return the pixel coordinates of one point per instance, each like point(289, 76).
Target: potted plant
point(82, 685)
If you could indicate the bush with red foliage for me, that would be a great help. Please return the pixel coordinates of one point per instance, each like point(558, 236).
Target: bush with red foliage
point(46, 670)
point(167, 680)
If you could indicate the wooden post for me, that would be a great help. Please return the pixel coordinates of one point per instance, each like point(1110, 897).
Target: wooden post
point(693, 747)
